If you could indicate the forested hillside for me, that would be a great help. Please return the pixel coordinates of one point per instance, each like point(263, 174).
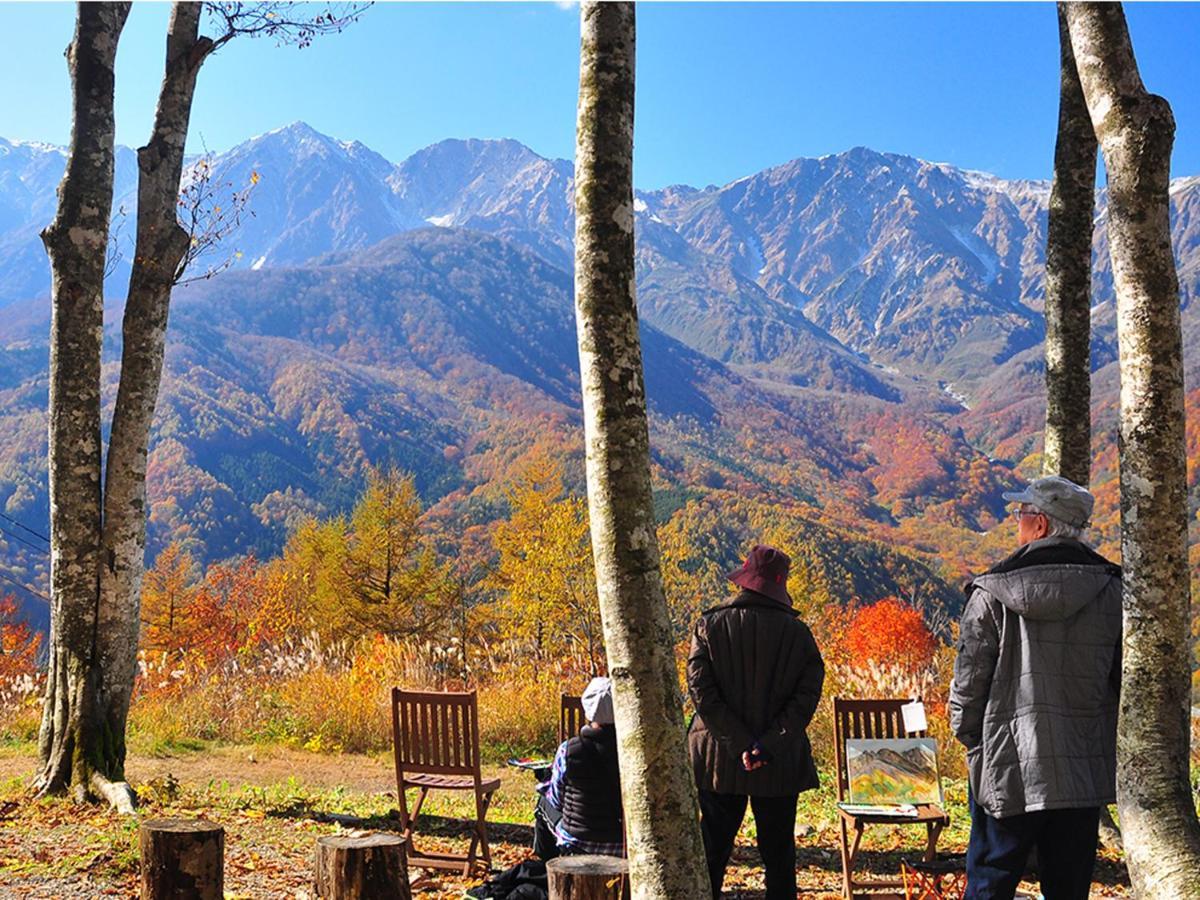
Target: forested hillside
point(846, 347)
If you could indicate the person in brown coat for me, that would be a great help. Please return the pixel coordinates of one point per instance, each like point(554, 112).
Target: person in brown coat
point(755, 676)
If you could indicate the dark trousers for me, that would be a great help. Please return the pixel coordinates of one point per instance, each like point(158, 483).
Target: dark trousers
point(999, 848)
point(545, 818)
point(721, 817)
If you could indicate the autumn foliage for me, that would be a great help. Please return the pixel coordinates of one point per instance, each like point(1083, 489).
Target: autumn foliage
point(543, 573)
point(18, 643)
point(20, 679)
point(302, 648)
point(890, 632)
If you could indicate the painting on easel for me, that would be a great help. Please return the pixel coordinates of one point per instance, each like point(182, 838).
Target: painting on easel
point(893, 771)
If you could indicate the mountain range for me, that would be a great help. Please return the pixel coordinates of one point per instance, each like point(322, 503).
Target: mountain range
point(855, 336)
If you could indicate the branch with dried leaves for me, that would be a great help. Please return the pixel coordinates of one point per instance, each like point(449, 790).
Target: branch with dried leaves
point(286, 23)
point(211, 208)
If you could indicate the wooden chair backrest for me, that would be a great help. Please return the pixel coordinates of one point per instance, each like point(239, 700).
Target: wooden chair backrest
point(436, 733)
point(865, 719)
point(570, 716)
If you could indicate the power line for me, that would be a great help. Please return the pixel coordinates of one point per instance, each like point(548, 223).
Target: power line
point(23, 527)
point(23, 587)
point(19, 539)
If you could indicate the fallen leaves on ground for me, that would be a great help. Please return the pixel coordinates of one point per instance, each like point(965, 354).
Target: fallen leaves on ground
point(51, 848)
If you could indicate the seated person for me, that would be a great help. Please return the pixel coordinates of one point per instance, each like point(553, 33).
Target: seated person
point(580, 807)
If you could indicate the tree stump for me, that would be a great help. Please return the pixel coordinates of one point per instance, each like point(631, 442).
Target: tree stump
point(182, 859)
point(370, 867)
point(588, 878)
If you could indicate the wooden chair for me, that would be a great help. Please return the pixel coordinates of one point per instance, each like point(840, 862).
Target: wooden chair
point(436, 738)
point(874, 719)
point(570, 716)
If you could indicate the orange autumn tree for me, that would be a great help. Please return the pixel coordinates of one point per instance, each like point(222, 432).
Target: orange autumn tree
point(18, 642)
point(889, 651)
point(236, 611)
point(890, 633)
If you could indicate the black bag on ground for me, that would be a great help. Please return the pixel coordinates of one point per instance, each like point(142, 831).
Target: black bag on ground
point(524, 881)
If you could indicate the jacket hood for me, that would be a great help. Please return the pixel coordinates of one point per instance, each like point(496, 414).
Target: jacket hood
point(1049, 580)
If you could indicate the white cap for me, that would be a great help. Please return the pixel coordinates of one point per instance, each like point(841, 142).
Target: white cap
point(1057, 497)
point(597, 701)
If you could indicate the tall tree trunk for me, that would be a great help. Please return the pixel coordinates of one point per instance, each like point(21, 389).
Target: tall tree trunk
point(1136, 131)
point(666, 852)
point(1068, 434)
point(1068, 279)
point(72, 742)
point(160, 248)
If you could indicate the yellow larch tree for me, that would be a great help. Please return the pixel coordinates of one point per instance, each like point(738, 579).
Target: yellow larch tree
point(544, 573)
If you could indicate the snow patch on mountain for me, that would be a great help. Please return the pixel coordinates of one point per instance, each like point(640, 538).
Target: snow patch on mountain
point(981, 181)
point(1179, 185)
point(958, 397)
point(758, 260)
point(36, 146)
point(980, 250)
point(641, 207)
point(1017, 189)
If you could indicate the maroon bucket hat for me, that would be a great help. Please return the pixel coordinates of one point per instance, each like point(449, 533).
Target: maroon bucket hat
point(765, 572)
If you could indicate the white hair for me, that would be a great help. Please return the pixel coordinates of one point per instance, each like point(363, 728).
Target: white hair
point(1056, 527)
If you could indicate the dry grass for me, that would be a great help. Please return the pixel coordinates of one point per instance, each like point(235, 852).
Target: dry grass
point(333, 700)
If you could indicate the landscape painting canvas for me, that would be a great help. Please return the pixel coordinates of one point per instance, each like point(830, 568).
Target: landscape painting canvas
point(893, 771)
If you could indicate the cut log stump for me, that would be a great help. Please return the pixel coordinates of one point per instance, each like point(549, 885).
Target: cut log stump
point(182, 859)
point(588, 878)
point(368, 867)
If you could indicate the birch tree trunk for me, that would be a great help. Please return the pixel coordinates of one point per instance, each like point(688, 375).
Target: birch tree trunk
point(1136, 131)
point(98, 543)
point(72, 742)
point(665, 849)
point(1068, 441)
point(160, 247)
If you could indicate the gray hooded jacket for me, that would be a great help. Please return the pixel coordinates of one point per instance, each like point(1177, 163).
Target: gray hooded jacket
point(1034, 698)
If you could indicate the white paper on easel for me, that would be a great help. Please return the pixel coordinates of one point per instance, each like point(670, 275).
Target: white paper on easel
point(914, 716)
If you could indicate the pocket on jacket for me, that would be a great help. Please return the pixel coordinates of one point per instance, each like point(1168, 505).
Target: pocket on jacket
point(1002, 789)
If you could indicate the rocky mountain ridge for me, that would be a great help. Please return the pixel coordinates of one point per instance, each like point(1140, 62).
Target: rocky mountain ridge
point(917, 267)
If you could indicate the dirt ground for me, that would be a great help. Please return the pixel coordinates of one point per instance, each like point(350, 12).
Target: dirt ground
point(275, 802)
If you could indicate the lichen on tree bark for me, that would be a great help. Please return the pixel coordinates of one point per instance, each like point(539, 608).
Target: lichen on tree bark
point(161, 243)
point(666, 852)
point(1136, 131)
point(1068, 280)
point(99, 539)
point(72, 742)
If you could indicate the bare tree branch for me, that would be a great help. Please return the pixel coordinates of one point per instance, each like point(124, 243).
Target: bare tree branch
point(211, 209)
point(114, 254)
point(286, 23)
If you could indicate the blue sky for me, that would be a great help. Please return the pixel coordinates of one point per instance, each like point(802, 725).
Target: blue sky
point(723, 89)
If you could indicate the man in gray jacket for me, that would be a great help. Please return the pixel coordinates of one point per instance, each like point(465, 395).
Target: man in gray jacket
point(1034, 699)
